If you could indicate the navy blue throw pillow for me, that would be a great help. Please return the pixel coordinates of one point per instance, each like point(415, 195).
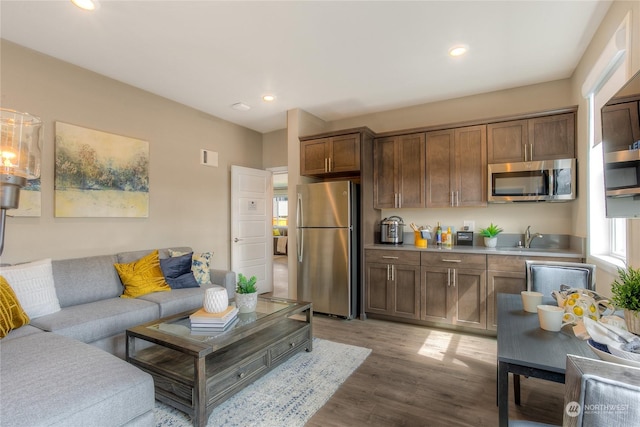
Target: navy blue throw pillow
point(177, 272)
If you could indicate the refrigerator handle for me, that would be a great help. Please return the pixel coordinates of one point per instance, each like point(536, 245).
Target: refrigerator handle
point(299, 234)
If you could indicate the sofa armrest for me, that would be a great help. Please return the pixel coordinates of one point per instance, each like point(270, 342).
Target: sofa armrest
point(226, 279)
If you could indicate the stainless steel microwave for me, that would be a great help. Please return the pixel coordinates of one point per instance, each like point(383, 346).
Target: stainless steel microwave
point(543, 180)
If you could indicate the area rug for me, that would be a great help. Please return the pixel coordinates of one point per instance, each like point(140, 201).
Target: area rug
point(287, 396)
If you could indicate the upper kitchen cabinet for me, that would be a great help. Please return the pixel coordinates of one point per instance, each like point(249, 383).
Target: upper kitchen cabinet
point(457, 167)
point(332, 155)
point(399, 172)
point(539, 138)
point(620, 125)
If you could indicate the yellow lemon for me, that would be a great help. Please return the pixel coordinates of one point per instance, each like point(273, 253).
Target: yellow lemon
point(575, 296)
point(571, 302)
point(592, 308)
point(578, 311)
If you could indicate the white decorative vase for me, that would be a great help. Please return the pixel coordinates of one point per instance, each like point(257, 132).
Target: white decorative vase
point(216, 300)
point(246, 303)
point(490, 242)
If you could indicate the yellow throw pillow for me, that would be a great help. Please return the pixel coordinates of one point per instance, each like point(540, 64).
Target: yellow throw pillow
point(12, 316)
point(142, 277)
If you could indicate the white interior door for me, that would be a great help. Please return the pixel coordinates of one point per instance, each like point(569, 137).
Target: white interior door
point(251, 225)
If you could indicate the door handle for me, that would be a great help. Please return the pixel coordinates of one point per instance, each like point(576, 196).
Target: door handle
point(451, 260)
point(448, 277)
point(236, 240)
point(454, 277)
point(389, 257)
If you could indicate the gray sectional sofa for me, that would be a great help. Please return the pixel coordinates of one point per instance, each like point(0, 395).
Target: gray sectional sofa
point(66, 368)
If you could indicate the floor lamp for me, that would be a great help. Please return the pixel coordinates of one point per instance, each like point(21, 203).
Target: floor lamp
point(20, 135)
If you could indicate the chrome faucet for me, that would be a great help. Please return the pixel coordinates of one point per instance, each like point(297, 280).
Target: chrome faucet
point(528, 237)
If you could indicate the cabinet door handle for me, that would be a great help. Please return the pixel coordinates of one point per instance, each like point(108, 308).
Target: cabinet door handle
point(525, 152)
point(389, 257)
point(454, 277)
point(531, 151)
point(457, 198)
point(326, 165)
point(329, 161)
point(388, 271)
point(451, 260)
point(393, 272)
point(399, 200)
point(448, 277)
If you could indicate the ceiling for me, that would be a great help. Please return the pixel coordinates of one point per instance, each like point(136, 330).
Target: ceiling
point(332, 59)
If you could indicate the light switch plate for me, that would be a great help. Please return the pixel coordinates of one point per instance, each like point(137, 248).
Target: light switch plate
point(209, 158)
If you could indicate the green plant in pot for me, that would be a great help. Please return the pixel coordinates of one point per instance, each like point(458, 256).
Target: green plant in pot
point(490, 235)
point(626, 295)
point(246, 294)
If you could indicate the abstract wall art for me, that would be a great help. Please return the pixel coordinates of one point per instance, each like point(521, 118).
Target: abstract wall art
point(99, 174)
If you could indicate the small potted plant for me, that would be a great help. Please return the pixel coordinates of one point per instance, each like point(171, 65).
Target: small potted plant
point(490, 235)
point(246, 294)
point(626, 295)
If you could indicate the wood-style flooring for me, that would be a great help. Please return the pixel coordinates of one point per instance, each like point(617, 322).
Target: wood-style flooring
point(421, 376)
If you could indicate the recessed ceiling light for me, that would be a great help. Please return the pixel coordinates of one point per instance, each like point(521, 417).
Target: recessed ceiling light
point(85, 4)
point(458, 50)
point(269, 98)
point(241, 106)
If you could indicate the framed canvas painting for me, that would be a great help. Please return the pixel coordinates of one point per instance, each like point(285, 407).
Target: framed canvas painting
point(99, 174)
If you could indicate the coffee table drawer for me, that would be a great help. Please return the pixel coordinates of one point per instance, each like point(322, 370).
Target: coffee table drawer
point(290, 345)
point(227, 381)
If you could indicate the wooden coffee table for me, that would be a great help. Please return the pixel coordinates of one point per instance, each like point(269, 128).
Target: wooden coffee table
point(195, 373)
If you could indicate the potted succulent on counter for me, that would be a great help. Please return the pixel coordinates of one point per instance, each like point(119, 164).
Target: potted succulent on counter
point(490, 235)
point(246, 294)
point(626, 294)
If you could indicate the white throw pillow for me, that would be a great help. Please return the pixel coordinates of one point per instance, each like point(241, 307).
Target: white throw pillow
point(33, 285)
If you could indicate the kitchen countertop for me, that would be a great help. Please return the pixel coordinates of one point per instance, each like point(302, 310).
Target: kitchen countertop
point(548, 252)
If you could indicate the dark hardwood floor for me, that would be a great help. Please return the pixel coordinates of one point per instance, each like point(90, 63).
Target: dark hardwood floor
point(421, 376)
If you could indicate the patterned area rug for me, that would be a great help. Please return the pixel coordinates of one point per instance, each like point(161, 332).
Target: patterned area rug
point(287, 396)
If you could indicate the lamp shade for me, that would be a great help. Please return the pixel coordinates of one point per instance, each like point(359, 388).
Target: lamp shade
point(20, 135)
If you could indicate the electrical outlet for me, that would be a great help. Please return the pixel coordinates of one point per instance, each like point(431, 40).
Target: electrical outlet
point(471, 225)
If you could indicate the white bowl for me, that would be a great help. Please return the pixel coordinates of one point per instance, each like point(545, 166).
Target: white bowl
point(608, 357)
point(617, 350)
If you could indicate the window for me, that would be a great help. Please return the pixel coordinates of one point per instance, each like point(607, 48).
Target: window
point(280, 211)
point(618, 238)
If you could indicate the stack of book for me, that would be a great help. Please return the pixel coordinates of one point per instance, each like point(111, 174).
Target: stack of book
point(202, 321)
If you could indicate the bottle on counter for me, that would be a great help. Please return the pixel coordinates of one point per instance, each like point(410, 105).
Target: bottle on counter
point(445, 237)
point(449, 242)
point(439, 236)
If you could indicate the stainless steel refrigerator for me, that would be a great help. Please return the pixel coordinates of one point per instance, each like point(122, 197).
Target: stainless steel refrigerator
point(327, 247)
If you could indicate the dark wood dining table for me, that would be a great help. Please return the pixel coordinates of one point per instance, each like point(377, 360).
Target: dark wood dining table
point(526, 349)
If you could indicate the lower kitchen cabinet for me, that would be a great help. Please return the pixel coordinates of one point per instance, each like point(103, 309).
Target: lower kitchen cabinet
point(454, 289)
point(392, 283)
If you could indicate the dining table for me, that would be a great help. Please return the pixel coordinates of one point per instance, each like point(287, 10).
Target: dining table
point(526, 349)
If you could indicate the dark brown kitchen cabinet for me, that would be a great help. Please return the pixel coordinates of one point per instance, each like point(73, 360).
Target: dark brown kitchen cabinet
point(331, 155)
point(540, 138)
point(457, 167)
point(392, 283)
point(399, 172)
point(620, 126)
point(507, 274)
point(454, 289)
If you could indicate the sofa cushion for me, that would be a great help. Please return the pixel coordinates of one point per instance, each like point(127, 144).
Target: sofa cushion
point(200, 265)
point(84, 385)
point(88, 279)
point(18, 333)
point(33, 284)
point(179, 300)
point(12, 315)
point(100, 319)
point(177, 272)
point(124, 257)
point(142, 276)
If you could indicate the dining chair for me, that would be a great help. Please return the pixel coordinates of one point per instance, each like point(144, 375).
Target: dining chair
point(597, 393)
point(547, 276)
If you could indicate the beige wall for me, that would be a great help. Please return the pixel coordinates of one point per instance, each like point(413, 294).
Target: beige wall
point(189, 203)
point(274, 146)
